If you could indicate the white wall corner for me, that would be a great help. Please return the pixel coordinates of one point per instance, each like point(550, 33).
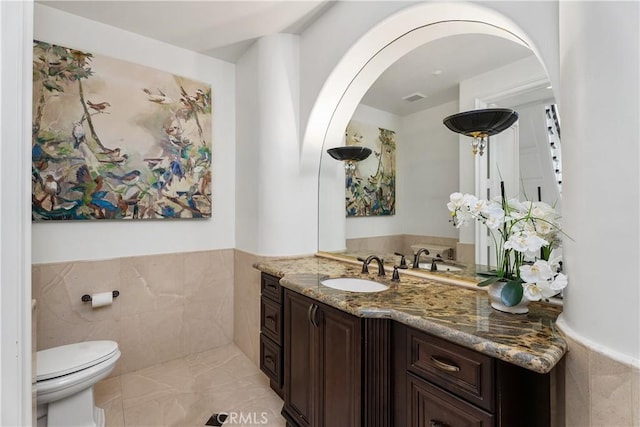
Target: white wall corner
point(15, 212)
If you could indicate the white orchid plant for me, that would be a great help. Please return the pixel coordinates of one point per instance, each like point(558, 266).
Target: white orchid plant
point(526, 236)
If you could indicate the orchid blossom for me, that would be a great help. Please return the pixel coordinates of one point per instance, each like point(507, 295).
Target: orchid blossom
point(522, 231)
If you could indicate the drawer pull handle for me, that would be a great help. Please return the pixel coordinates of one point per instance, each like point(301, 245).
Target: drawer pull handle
point(268, 359)
point(271, 318)
point(443, 365)
point(436, 423)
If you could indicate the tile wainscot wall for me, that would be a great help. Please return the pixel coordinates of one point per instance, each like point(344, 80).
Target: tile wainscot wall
point(169, 306)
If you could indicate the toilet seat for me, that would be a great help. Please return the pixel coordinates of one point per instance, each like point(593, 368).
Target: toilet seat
point(61, 387)
point(68, 359)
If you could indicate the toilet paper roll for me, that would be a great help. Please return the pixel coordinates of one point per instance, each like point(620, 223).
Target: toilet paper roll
point(101, 299)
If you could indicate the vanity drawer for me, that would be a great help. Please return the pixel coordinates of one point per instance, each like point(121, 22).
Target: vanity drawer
point(430, 406)
point(270, 287)
point(271, 360)
point(271, 319)
point(460, 370)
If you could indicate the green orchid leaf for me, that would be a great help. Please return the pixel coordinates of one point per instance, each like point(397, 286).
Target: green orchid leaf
point(489, 273)
point(489, 281)
point(512, 293)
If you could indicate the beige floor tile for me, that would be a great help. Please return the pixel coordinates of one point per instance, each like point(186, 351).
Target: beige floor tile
point(185, 392)
point(108, 396)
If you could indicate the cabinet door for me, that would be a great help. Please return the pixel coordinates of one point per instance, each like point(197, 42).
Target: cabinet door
point(323, 380)
point(340, 367)
point(430, 406)
point(298, 381)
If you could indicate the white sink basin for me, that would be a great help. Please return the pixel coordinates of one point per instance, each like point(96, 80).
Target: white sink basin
point(441, 267)
point(354, 285)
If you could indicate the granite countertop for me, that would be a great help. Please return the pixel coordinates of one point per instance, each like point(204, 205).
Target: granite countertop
point(457, 314)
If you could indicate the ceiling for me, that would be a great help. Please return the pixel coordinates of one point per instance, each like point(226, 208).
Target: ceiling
point(436, 69)
point(218, 28)
point(225, 29)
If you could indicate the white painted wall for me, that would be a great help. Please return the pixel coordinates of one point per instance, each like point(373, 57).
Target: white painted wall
point(15, 211)
point(79, 240)
point(282, 184)
point(502, 82)
point(429, 166)
point(599, 57)
point(332, 223)
point(247, 151)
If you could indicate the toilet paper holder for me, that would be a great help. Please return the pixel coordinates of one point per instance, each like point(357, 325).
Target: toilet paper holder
point(87, 298)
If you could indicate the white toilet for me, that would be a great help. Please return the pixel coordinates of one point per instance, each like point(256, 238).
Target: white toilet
point(65, 379)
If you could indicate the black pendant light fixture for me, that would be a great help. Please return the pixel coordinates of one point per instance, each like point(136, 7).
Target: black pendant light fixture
point(349, 154)
point(480, 124)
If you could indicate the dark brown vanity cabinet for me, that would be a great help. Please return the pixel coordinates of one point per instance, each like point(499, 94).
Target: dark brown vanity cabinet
point(334, 369)
point(271, 331)
point(322, 364)
point(441, 384)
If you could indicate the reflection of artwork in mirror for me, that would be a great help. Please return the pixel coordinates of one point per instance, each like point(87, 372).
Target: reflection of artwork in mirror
point(371, 187)
point(117, 140)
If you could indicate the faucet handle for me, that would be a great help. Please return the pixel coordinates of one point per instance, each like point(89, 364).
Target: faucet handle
point(365, 266)
point(403, 260)
point(434, 260)
point(396, 274)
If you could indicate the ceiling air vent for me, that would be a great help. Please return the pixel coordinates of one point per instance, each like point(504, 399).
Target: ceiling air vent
point(414, 97)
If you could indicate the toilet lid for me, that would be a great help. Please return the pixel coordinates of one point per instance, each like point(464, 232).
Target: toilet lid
point(67, 359)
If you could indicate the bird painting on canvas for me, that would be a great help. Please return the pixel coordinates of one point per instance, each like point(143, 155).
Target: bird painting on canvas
point(127, 141)
point(100, 107)
point(159, 97)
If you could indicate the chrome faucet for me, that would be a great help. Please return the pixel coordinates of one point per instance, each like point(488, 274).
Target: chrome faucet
point(365, 264)
point(416, 257)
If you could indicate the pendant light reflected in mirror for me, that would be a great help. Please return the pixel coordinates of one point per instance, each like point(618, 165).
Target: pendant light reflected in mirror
point(480, 124)
point(350, 155)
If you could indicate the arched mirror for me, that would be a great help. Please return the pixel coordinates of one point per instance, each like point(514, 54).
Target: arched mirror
point(407, 103)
